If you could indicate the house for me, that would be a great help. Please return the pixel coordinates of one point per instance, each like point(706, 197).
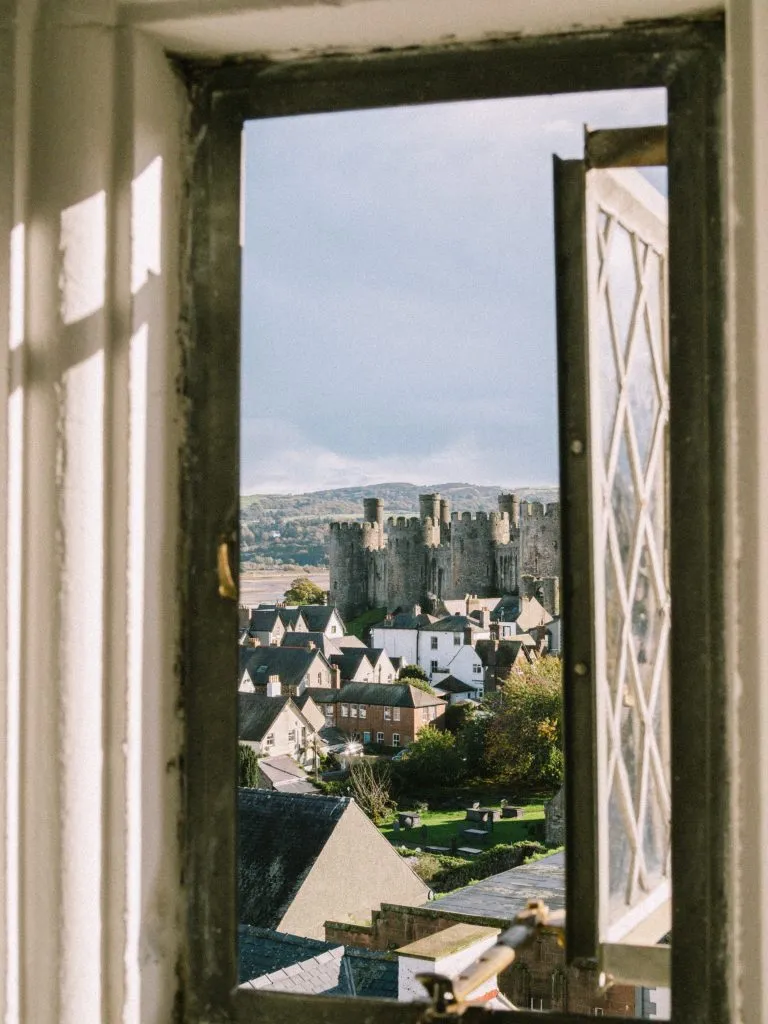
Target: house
point(400, 634)
point(271, 724)
point(515, 614)
point(305, 859)
point(455, 691)
point(501, 657)
point(384, 669)
point(279, 962)
point(293, 667)
point(265, 626)
point(284, 775)
point(374, 713)
point(291, 618)
point(313, 714)
point(354, 666)
point(309, 640)
point(322, 618)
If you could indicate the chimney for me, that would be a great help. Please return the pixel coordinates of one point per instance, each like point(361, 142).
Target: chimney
point(273, 686)
point(311, 645)
point(335, 677)
point(447, 952)
point(485, 619)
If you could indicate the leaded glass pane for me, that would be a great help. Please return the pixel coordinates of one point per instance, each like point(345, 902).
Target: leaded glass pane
point(626, 222)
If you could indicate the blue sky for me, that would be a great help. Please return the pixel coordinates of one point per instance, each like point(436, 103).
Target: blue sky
point(398, 291)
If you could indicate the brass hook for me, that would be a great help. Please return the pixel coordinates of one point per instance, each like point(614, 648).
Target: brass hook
point(227, 586)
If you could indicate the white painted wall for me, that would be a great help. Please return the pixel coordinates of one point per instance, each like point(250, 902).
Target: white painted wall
point(399, 643)
point(90, 897)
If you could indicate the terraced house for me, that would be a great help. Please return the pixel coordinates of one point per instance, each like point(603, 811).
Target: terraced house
point(373, 713)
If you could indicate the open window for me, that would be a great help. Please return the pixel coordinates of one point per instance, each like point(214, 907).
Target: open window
point(685, 60)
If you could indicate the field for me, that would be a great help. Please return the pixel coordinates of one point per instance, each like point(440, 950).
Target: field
point(438, 828)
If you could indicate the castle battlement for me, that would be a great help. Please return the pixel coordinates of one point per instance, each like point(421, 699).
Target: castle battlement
point(538, 510)
point(352, 526)
point(404, 523)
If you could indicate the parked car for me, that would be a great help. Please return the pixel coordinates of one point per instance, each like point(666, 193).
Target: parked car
point(401, 755)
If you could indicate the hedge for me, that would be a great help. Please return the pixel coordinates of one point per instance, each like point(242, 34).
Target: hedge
point(456, 873)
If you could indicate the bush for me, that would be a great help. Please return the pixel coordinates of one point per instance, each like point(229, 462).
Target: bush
point(248, 766)
point(433, 758)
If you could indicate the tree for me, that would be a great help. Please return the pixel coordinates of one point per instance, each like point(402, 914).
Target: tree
point(415, 672)
point(370, 784)
point(433, 758)
point(524, 736)
point(303, 591)
point(420, 684)
point(248, 766)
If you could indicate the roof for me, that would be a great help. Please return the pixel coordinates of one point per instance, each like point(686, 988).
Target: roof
point(395, 695)
point(349, 641)
point(285, 775)
point(280, 836)
point(453, 685)
point(287, 963)
point(263, 620)
point(289, 616)
point(454, 624)
point(255, 714)
point(291, 664)
point(502, 895)
point(405, 620)
point(349, 661)
point(322, 642)
point(321, 694)
point(317, 616)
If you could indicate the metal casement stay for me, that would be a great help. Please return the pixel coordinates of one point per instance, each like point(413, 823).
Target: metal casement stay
point(686, 58)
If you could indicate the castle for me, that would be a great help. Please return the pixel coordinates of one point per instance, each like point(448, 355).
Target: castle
point(444, 555)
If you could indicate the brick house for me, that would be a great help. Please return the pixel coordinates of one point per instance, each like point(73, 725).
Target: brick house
point(375, 713)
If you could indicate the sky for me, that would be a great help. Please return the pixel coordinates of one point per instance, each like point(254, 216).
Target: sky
point(398, 285)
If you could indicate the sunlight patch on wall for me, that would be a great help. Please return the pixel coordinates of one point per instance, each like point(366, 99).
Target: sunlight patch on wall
point(18, 245)
point(146, 224)
point(83, 245)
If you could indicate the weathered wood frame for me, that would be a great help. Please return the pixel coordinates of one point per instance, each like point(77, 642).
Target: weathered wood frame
point(685, 58)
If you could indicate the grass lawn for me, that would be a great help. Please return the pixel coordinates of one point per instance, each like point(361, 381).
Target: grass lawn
point(439, 827)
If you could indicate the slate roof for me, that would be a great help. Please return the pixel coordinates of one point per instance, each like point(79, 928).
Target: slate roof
point(508, 609)
point(453, 685)
point(287, 963)
point(349, 661)
point(454, 624)
point(321, 694)
point(285, 775)
point(255, 714)
point(290, 616)
point(406, 620)
point(323, 643)
point(394, 695)
point(503, 895)
point(280, 836)
point(263, 620)
point(317, 616)
point(290, 663)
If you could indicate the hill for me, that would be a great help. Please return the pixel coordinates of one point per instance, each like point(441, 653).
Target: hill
point(292, 529)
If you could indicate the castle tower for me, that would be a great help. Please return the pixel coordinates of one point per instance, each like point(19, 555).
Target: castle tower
point(373, 511)
point(510, 503)
point(540, 539)
point(445, 512)
point(429, 507)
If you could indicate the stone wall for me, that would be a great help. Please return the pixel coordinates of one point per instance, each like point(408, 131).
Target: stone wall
point(554, 819)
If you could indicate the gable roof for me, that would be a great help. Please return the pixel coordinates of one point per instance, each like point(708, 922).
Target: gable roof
point(323, 643)
point(349, 662)
point(280, 836)
point(453, 685)
point(290, 663)
point(393, 695)
point(288, 963)
point(454, 624)
point(285, 775)
point(255, 714)
point(317, 616)
point(289, 616)
point(263, 620)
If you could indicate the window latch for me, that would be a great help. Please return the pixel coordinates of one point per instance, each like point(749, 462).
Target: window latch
point(449, 996)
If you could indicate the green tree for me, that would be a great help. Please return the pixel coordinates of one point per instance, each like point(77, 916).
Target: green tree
point(524, 734)
point(303, 591)
point(415, 672)
point(433, 759)
point(248, 766)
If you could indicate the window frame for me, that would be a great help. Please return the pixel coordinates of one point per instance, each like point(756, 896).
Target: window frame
point(686, 58)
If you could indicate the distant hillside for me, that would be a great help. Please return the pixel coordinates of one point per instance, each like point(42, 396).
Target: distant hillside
point(292, 529)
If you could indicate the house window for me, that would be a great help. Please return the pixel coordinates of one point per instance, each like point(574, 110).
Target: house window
point(345, 711)
point(395, 739)
point(387, 714)
point(433, 643)
point(379, 737)
point(291, 735)
point(333, 629)
point(329, 710)
point(457, 638)
point(270, 739)
point(319, 678)
point(363, 711)
point(353, 710)
point(477, 669)
point(433, 666)
point(396, 714)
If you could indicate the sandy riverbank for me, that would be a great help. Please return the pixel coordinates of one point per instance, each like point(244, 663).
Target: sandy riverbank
point(263, 587)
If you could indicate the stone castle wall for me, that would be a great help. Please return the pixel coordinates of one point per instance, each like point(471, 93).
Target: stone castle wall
point(398, 563)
